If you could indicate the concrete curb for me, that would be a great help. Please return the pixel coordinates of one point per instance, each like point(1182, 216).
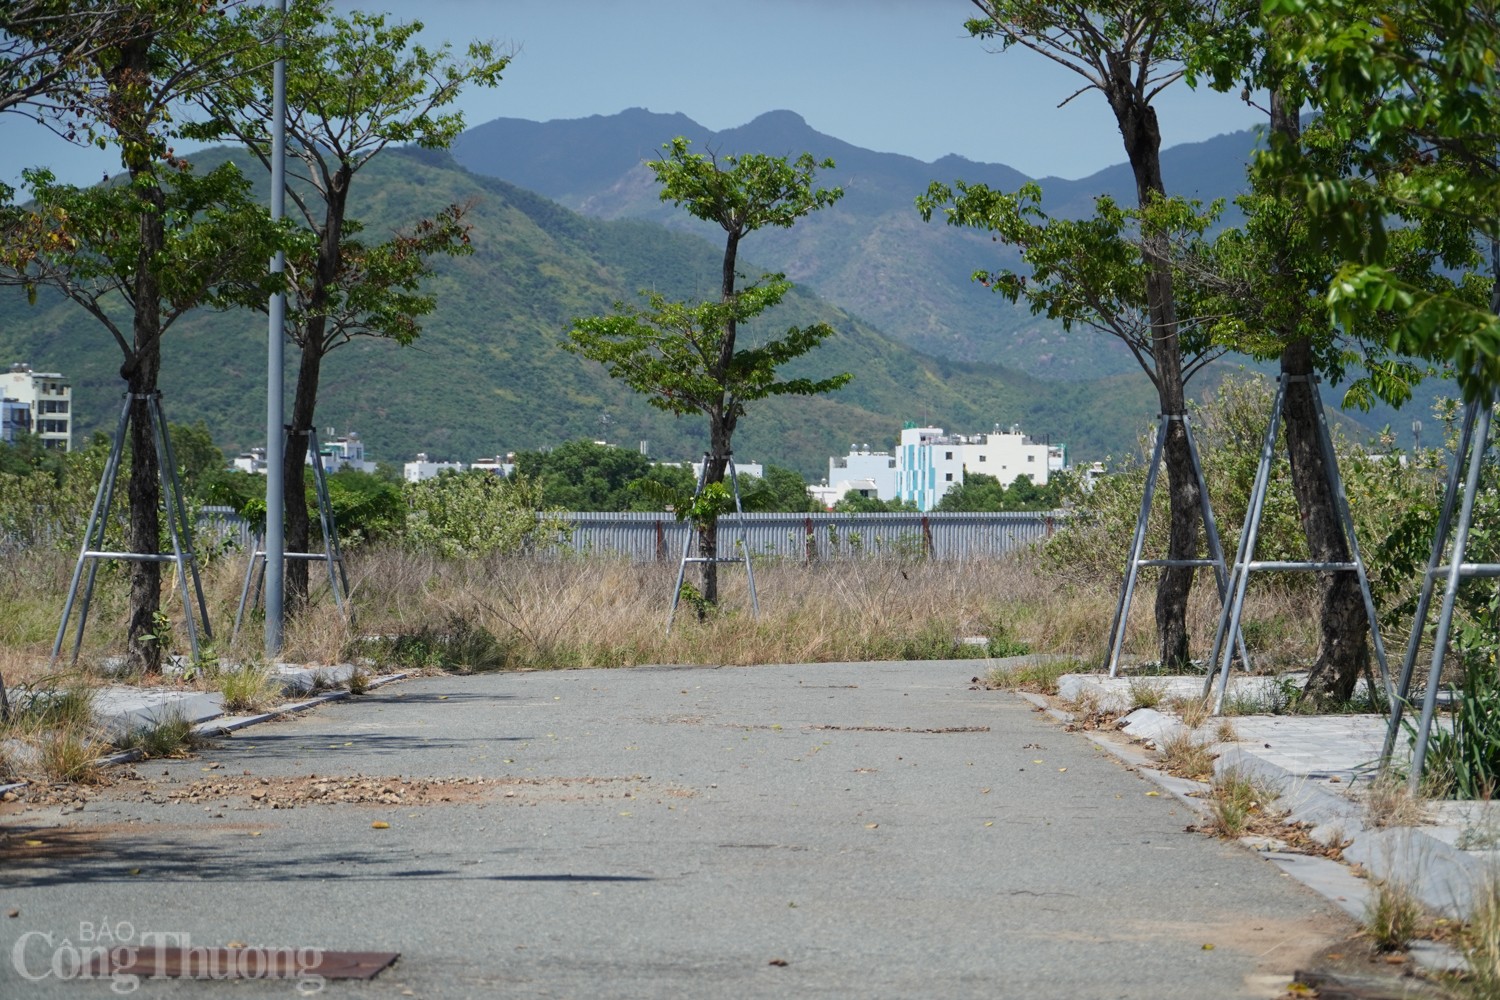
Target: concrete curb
point(133, 708)
point(1442, 876)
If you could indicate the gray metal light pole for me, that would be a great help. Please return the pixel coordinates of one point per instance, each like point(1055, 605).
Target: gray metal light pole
point(275, 439)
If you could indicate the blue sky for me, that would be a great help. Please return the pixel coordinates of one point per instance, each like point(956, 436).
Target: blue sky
point(892, 75)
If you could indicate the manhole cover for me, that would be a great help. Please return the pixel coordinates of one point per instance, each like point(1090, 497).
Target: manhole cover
point(241, 963)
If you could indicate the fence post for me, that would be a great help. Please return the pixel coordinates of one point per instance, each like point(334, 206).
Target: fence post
point(661, 542)
point(927, 536)
point(809, 543)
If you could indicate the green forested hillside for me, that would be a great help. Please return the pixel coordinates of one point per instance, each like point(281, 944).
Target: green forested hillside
point(488, 374)
point(870, 253)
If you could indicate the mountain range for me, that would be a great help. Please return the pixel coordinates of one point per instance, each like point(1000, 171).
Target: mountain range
point(870, 252)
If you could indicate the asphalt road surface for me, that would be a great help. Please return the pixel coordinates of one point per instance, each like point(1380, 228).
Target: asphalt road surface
point(825, 830)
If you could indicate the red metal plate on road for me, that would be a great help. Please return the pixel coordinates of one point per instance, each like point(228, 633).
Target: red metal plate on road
point(239, 963)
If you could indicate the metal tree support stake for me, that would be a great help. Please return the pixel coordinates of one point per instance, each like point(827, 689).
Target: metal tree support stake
point(687, 543)
point(332, 556)
point(1134, 563)
point(1476, 425)
point(1244, 559)
point(178, 526)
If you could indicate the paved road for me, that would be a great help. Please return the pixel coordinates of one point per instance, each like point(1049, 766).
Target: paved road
point(881, 829)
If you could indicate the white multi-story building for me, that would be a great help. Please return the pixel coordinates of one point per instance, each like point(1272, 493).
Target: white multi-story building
point(50, 398)
point(425, 468)
point(929, 463)
point(869, 473)
point(1008, 455)
point(347, 452)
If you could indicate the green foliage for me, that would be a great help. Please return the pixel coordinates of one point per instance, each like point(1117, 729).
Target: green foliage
point(88, 245)
point(27, 455)
point(1229, 427)
point(1424, 75)
point(1463, 760)
point(584, 475)
point(682, 356)
point(51, 503)
point(1089, 271)
point(780, 491)
point(198, 458)
point(476, 513)
point(366, 508)
point(980, 492)
point(853, 502)
point(745, 192)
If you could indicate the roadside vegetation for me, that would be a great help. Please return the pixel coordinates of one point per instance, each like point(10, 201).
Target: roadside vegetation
point(463, 573)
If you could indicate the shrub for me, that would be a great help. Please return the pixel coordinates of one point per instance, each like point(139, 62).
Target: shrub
point(476, 513)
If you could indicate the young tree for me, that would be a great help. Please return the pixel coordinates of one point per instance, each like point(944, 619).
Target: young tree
point(1130, 52)
point(1272, 274)
point(161, 242)
point(355, 85)
point(685, 357)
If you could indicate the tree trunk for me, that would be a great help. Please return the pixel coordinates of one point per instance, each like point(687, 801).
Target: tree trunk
point(1142, 137)
point(142, 366)
point(721, 423)
point(314, 343)
point(1343, 650)
point(294, 479)
point(143, 492)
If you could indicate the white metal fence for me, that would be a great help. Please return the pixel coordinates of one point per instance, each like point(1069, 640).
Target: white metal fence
point(815, 537)
point(645, 537)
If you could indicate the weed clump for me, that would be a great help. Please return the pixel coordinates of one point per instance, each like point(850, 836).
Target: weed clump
point(1039, 677)
point(1393, 915)
point(1236, 803)
point(169, 737)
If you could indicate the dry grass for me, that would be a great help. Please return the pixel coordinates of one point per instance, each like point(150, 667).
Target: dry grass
point(1040, 678)
point(1184, 755)
point(71, 755)
point(1388, 802)
point(1146, 692)
point(169, 737)
point(1192, 711)
point(574, 612)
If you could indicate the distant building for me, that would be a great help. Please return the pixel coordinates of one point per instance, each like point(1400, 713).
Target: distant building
point(929, 462)
point(347, 452)
point(49, 397)
point(252, 461)
point(425, 468)
point(740, 468)
point(499, 465)
point(869, 473)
